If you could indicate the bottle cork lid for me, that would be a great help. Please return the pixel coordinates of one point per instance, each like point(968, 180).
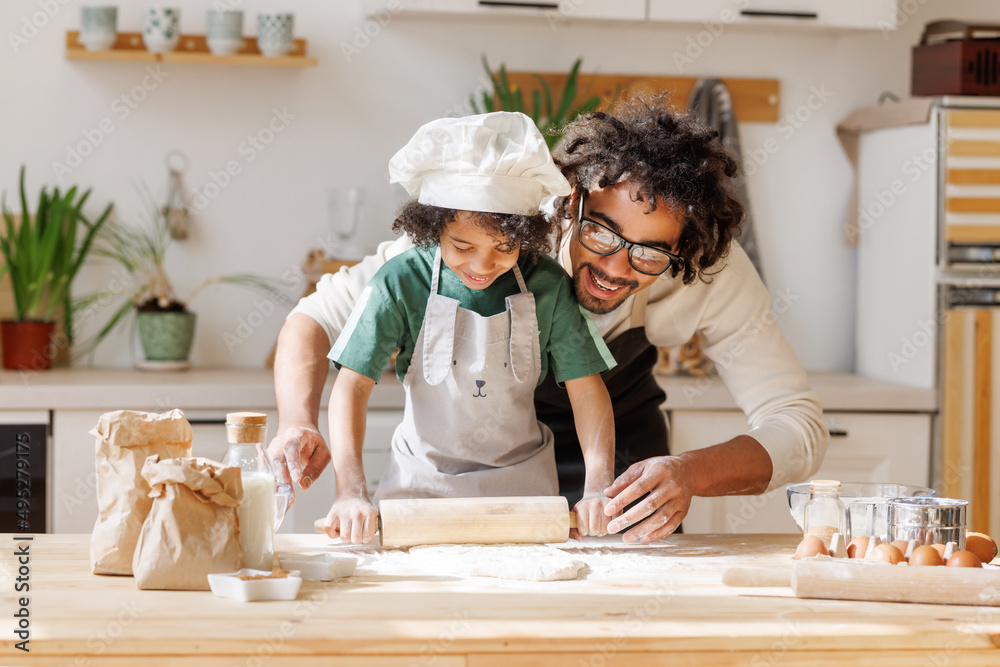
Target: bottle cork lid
point(245, 427)
point(824, 484)
point(246, 418)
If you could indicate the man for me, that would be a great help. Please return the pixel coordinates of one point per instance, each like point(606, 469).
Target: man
point(649, 242)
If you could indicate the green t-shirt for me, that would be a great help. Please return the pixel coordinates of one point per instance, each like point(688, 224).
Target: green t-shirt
point(390, 311)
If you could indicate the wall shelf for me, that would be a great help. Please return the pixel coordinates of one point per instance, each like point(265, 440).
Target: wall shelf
point(754, 100)
point(190, 49)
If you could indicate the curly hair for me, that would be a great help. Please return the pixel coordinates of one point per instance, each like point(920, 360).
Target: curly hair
point(425, 223)
point(672, 158)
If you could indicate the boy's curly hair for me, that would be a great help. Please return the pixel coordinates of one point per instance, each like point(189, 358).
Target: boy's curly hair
point(425, 223)
point(672, 158)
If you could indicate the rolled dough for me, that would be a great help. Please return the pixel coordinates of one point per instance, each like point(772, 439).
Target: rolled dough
point(504, 561)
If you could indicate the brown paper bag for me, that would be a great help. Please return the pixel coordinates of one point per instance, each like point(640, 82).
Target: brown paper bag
point(125, 439)
point(192, 529)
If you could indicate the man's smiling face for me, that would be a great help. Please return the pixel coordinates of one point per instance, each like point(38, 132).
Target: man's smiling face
point(603, 282)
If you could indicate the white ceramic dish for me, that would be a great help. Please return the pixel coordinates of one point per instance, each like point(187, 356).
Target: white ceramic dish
point(321, 566)
point(229, 585)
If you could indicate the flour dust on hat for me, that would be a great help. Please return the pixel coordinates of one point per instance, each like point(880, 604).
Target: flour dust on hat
point(494, 162)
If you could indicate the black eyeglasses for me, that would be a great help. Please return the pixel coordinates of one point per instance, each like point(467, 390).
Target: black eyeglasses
point(601, 240)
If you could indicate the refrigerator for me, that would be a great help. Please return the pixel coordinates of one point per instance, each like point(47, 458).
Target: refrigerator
point(928, 284)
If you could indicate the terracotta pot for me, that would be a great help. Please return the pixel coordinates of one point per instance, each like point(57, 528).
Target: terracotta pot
point(27, 345)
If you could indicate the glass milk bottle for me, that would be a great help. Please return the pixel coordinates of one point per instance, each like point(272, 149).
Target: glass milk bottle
point(247, 434)
point(824, 513)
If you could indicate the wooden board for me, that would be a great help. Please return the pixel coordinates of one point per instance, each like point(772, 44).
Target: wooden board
point(754, 100)
point(129, 46)
point(676, 612)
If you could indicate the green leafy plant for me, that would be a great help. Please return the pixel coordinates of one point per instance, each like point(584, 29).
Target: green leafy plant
point(139, 253)
point(45, 253)
point(549, 117)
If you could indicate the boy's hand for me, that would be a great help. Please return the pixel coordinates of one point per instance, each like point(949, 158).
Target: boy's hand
point(590, 516)
point(352, 519)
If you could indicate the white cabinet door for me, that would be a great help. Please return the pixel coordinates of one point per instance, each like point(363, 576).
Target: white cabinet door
point(836, 14)
point(74, 481)
point(551, 10)
point(864, 447)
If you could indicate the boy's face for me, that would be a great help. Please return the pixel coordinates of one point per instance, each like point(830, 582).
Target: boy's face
point(603, 282)
point(477, 258)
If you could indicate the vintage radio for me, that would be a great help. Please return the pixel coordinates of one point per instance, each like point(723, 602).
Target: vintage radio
point(957, 58)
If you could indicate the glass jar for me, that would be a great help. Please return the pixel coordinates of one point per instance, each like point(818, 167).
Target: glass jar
point(247, 435)
point(824, 513)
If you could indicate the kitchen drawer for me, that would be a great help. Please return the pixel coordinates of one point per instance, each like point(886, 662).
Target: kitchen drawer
point(864, 447)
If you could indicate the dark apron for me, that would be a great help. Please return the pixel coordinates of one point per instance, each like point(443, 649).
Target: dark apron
point(640, 426)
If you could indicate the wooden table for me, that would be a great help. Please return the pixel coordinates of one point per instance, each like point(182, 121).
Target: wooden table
point(675, 612)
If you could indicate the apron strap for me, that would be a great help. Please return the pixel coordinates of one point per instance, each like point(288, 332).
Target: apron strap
point(439, 336)
point(525, 351)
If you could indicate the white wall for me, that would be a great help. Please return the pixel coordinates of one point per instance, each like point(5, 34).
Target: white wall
point(349, 117)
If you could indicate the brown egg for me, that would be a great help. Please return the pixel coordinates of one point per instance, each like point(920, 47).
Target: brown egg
point(964, 559)
point(940, 548)
point(926, 555)
point(901, 545)
point(982, 545)
point(887, 553)
point(857, 547)
point(810, 546)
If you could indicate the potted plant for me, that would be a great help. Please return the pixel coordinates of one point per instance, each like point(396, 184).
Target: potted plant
point(42, 255)
point(166, 325)
point(548, 117)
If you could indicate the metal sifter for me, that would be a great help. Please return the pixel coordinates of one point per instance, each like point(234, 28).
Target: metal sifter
point(928, 520)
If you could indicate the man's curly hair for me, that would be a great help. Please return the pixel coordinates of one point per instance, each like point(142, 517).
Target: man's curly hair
point(425, 223)
point(672, 158)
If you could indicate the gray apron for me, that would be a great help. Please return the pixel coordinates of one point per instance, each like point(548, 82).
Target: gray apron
point(469, 428)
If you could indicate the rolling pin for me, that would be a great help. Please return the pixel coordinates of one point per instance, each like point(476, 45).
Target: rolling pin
point(517, 520)
point(881, 582)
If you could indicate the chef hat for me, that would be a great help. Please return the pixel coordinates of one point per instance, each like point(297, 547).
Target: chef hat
point(494, 162)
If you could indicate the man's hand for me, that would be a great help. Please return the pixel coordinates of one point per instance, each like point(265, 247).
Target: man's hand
point(298, 454)
point(352, 519)
point(663, 477)
point(590, 516)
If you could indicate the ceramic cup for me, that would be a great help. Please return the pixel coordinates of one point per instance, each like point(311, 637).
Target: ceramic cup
point(161, 29)
point(275, 33)
point(224, 31)
point(98, 27)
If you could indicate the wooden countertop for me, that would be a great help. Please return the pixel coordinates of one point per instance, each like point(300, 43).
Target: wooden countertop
point(674, 612)
point(251, 388)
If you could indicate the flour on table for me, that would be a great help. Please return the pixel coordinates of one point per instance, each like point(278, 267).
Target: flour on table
point(504, 561)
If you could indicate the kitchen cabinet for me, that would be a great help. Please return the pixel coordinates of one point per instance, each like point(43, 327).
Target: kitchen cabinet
point(74, 481)
point(829, 14)
point(554, 11)
point(864, 447)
